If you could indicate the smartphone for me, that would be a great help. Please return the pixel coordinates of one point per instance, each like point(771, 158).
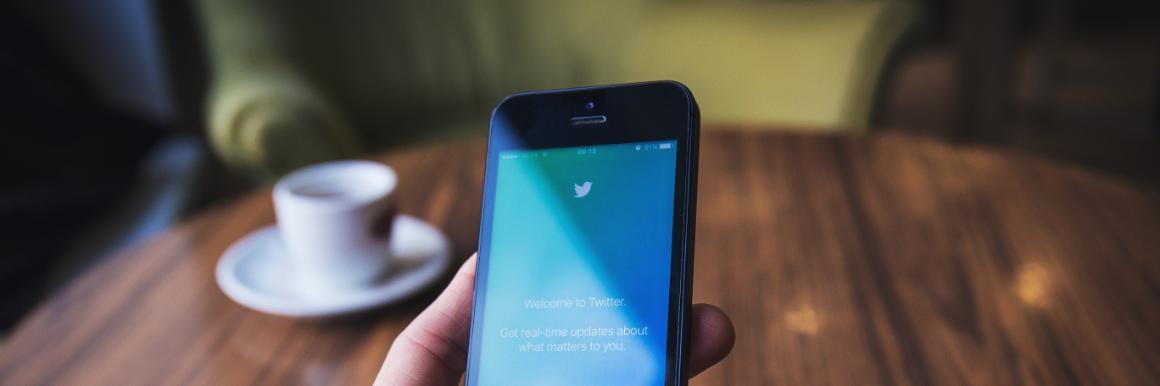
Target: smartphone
point(586, 240)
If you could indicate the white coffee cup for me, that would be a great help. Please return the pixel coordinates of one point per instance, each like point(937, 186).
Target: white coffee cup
point(335, 222)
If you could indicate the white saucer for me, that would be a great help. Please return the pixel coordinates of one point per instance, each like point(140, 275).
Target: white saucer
point(256, 273)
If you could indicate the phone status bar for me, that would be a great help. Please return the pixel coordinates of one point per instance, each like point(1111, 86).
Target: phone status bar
point(588, 150)
point(654, 146)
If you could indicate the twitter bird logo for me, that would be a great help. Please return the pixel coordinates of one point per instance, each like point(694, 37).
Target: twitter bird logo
point(582, 190)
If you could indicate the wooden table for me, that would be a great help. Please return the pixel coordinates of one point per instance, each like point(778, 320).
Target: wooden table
point(847, 261)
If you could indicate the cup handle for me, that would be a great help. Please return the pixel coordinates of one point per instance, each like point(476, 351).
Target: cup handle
point(383, 223)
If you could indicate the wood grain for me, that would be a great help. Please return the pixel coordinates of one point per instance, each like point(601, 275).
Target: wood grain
point(880, 260)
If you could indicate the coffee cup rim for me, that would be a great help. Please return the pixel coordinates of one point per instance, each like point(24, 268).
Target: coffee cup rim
point(379, 178)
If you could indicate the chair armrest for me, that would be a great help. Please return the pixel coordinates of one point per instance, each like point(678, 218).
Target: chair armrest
point(265, 115)
point(268, 124)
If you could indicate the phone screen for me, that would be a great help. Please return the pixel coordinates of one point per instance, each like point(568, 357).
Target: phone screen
point(579, 266)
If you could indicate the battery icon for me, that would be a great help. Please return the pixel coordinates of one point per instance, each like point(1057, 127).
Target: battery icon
point(666, 146)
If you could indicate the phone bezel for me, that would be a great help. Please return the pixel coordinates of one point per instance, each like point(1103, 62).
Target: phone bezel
point(638, 112)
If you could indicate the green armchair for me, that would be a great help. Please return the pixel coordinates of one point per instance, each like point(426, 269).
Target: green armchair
point(296, 82)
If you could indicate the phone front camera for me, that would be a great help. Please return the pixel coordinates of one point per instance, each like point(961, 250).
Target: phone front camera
point(590, 105)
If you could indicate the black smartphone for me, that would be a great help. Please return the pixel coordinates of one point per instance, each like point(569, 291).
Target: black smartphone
point(586, 241)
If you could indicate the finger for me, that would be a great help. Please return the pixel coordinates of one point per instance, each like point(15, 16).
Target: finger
point(432, 350)
point(712, 338)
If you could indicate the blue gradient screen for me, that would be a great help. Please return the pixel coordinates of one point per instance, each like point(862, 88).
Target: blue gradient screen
point(577, 288)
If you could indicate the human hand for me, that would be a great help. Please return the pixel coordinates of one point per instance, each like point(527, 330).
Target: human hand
point(432, 350)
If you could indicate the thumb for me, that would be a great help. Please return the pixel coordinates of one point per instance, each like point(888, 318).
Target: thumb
point(432, 350)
